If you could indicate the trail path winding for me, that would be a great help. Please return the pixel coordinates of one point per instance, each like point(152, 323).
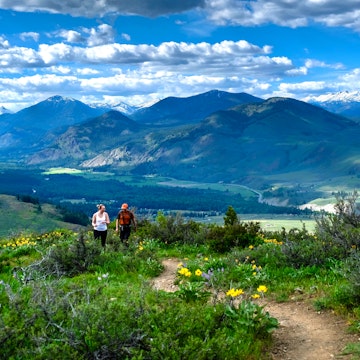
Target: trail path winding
point(303, 334)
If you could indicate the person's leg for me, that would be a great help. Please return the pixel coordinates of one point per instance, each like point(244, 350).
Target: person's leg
point(96, 234)
point(124, 234)
point(103, 238)
point(127, 231)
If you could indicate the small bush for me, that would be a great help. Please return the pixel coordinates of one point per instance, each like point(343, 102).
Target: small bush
point(340, 232)
point(65, 259)
point(174, 230)
point(222, 239)
point(304, 249)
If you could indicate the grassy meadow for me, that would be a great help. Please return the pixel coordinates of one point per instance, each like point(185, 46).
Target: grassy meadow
point(64, 297)
point(18, 217)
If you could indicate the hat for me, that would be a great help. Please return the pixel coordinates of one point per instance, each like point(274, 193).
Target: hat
point(124, 206)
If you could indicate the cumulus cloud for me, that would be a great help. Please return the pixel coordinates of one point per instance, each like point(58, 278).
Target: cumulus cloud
point(71, 36)
point(305, 85)
point(126, 37)
point(87, 71)
point(32, 35)
point(4, 44)
point(103, 34)
point(99, 8)
point(290, 13)
point(312, 63)
point(191, 55)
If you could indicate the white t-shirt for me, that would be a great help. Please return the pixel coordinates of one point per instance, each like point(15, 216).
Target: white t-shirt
point(100, 222)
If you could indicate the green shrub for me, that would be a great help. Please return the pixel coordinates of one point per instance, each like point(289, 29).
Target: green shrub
point(65, 258)
point(304, 249)
point(174, 230)
point(86, 322)
point(340, 232)
point(222, 239)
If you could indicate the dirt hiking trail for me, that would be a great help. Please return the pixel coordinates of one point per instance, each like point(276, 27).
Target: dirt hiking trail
point(303, 333)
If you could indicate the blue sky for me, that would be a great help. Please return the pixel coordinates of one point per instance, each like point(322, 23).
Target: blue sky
point(140, 51)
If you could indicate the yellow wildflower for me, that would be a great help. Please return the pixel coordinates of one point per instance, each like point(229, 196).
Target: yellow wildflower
point(198, 272)
point(262, 289)
point(234, 292)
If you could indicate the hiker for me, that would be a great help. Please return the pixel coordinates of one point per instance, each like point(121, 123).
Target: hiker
point(124, 220)
point(100, 220)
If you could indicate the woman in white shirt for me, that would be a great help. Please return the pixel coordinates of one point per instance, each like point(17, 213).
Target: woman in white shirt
point(100, 220)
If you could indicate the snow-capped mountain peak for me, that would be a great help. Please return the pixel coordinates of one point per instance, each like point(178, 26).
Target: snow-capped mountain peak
point(341, 96)
point(4, 110)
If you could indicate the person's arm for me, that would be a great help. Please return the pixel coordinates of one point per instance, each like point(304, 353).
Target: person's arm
point(93, 221)
point(134, 221)
point(117, 224)
point(107, 219)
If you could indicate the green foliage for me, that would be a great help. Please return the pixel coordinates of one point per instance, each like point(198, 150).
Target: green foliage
point(175, 230)
point(83, 322)
point(249, 317)
point(351, 272)
point(67, 258)
point(340, 232)
point(223, 239)
point(231, 217)
point(74, 217)
point(193, 291)
point(76, 302)
point(304, 249)
point(28, 198)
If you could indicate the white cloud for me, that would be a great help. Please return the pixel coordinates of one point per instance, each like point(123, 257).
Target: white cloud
point(32, 35)
point(126, 37)
point(306, 85)
point(303, 70)
point(103, 34)
point(87, 71)
point(60, 69)
point(54, 54)
point(71, 36)
point(240, 55)
point(4, 44)
point(18, 57)
point(350, 81)
point(290, 13)
point(96, 8)
point(313, 63)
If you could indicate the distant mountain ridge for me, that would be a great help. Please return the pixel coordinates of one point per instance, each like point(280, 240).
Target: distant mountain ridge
point(243, 144)
point(38, 125)
point(345, 103)
point(215, 136)
point(179, 111)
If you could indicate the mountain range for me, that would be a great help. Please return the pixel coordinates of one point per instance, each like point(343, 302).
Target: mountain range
point(215, 137)
point(345, 103)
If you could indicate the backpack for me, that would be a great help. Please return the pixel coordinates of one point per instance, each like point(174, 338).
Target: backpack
point(125, 217)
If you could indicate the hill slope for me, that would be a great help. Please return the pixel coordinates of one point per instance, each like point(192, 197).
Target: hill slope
point(22, 217)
